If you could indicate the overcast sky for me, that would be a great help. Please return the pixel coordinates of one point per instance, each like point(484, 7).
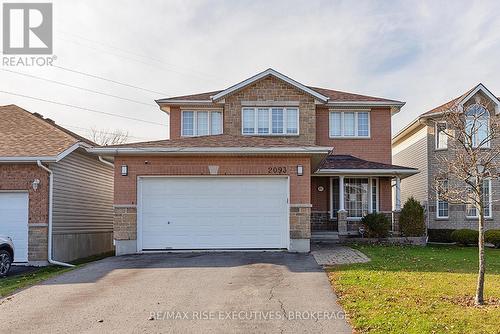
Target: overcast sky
point(421, 52)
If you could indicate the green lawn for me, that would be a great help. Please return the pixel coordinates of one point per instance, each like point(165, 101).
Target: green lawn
point(418, 290)
point(10, 284)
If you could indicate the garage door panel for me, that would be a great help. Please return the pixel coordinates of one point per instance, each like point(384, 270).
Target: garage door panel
point(14, 222)
point(214, 213)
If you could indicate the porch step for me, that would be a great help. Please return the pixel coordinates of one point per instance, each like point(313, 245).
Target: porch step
point(329, 236)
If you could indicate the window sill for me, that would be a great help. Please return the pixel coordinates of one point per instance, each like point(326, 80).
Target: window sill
point(191, 136)
point(270, 135)
point(442, 218)
point(349, 137)
point(477, 218)
point(441, 149)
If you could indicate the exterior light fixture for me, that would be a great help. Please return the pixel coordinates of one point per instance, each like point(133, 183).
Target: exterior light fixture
point(124, 170)
point(321, 188)
point(300, 170)
point(35, 184)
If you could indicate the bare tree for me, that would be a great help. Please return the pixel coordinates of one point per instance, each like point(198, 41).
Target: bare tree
point(473, 132)
point(104, 137)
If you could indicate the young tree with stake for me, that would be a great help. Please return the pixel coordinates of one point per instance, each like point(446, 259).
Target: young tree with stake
point(472, 161)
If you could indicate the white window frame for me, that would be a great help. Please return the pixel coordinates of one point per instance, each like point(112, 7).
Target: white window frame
point(356, 115)
point(490, 206)
point(195, 121)
point(368, 196)
point(488, 129)
point(437, 205)
point(270, 123)
point(436, 131)
point(377, 192)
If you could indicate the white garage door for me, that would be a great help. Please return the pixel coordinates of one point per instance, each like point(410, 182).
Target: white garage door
point(213, 213)
point(14, 222)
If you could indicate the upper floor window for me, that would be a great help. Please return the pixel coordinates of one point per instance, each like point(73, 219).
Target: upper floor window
point(441, 136)
point(201, 123)
point(477, 126)
point(270, 121)
point(349, 124)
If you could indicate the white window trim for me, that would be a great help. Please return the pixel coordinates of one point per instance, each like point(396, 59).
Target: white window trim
point(490, 206)
point(356, 112)
point(437, 208)
point(436, 135)
point(270, 124)
point(195, 121)
point(368, 196)
point(488, 129)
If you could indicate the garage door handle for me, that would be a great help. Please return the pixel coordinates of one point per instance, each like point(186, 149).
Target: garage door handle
point(168, 222)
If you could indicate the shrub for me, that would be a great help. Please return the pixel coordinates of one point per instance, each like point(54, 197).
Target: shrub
point(411, 219)
point(440, 235)
point(376, 225)
point(465, 237)
point(493, 237)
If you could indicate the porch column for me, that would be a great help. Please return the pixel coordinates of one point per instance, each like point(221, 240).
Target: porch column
point(397, 205)
point(342, 213)
point(341, 193)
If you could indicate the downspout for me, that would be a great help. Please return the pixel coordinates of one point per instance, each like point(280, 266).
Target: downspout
point(105, 161)
point(51, 183)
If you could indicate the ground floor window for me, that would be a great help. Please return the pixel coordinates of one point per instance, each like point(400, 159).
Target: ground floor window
point(471, 209)
point(361, 196)
point(442, 205)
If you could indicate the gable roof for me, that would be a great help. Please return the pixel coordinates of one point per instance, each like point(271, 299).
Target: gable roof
point(213, 144)
point(447, 106)
point(324, 95)
point(264, 74)
point(25, 135)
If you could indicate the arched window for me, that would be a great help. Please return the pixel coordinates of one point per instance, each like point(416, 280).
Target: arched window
point(478, 125)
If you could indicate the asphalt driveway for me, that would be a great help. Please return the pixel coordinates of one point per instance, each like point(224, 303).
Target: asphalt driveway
point(236, 292)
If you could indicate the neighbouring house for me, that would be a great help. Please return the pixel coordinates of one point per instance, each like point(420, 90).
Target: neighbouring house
point(258, 165)
point(56, 199)
point(421, 144)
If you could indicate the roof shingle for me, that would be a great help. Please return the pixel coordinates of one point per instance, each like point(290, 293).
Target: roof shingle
point(215, 141)
point(350, 162)
point(23, 134)
point(334, 95)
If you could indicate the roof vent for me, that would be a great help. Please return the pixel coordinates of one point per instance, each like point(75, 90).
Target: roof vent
point(50, 120)
point(38, 115)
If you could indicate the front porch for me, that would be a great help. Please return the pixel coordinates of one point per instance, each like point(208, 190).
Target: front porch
point(344, 189)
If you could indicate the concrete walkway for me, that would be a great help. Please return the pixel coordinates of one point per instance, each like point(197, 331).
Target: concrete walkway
point(334, 254)
point(233, 292)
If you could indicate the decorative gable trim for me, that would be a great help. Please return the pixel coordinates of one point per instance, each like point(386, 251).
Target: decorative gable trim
point(484, 90)
point(264, 74)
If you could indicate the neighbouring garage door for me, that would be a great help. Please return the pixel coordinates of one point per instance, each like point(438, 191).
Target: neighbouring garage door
point(213, 213)
point(14, 222)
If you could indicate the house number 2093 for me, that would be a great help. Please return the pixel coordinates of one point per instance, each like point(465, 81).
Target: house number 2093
point(276, 170)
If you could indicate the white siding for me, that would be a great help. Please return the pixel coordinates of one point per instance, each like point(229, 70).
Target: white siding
point(412, 152)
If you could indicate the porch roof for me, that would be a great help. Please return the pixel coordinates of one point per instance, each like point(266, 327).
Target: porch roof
point(348, 164)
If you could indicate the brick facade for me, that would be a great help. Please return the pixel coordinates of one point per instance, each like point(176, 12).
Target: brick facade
point(126, 186)
point(307, 205)
point(376, 148)
point(20, 177)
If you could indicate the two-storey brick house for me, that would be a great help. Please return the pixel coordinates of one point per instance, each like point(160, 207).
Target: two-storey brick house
point(255, 166)
point(423, 144)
